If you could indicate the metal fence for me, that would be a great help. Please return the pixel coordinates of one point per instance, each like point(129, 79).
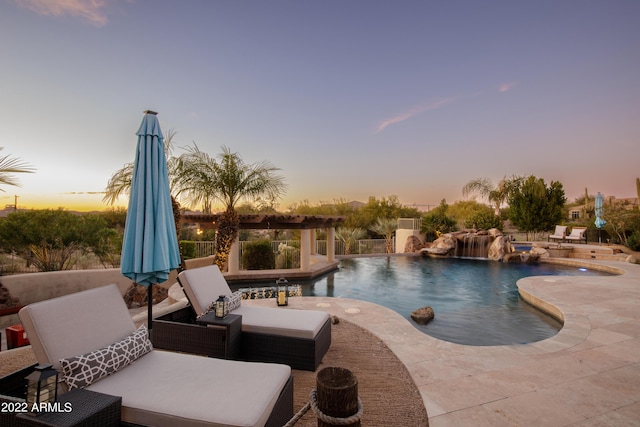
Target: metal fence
point(287, 252)
point(409, 223)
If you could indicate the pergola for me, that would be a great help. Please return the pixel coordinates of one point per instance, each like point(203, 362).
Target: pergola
point(307, 224)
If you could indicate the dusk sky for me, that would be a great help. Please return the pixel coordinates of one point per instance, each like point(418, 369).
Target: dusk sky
point(350, 99)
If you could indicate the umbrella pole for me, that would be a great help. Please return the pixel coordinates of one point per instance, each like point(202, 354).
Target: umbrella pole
point(149, 307)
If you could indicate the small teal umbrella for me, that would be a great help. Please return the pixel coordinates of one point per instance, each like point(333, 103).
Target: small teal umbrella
point(599, 222)
point(150, 246)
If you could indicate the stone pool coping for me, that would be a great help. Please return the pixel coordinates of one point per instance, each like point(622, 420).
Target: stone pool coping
point(588, 374)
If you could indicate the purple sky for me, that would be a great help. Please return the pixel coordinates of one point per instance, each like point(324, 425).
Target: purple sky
point(350, 99)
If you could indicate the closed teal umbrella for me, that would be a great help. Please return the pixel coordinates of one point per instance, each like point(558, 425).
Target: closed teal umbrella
point(599, 222)
point(150, 246)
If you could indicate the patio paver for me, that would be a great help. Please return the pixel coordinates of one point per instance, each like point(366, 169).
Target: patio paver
point(586, 375)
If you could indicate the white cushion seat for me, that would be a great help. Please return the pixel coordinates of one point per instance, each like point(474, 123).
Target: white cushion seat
point(172, 389)
point(290, 323)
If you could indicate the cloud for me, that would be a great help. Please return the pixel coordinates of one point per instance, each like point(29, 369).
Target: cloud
point(90, 10)
point(413, 112)
point(506, 87)
point(81, 193)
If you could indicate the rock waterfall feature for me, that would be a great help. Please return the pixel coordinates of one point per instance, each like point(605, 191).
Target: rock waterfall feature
point(490, 244)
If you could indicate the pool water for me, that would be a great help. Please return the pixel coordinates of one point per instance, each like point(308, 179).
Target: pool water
point(476, 302)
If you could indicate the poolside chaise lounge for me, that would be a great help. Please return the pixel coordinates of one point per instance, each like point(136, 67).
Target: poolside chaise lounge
point(158, 388)
point(578, 234)
point(560, 233)
point(298, 338)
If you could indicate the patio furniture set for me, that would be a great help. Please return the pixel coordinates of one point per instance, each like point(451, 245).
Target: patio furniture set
point(578, 234)
point(90, 338)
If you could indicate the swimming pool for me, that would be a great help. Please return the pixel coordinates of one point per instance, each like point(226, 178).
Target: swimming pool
point(476, 302)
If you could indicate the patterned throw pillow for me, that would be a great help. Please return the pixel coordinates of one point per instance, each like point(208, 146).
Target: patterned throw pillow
point(84, 370)
point(233, 301)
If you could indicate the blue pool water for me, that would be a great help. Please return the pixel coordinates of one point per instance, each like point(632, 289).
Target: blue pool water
point(476, 302)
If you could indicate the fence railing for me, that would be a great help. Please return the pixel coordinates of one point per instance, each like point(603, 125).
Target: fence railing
point(205, 248)
point(409, 223)
point(287, 252)
point(289, 257)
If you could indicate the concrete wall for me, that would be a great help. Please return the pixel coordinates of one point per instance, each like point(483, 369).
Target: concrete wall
point(34, 287)
point(401, 238)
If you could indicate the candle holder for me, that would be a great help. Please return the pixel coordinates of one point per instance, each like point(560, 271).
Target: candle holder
point(221, 307)
point(282, 292)
point(42, 386)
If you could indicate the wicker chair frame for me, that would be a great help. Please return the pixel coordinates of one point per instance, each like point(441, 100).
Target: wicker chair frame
point(178, 332)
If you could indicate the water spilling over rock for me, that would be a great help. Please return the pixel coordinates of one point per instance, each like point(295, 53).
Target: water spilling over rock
point(490, 244)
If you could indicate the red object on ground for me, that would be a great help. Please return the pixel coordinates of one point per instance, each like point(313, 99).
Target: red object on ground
point(16, 337)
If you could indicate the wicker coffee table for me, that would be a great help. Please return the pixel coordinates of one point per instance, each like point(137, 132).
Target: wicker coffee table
point(232, 323)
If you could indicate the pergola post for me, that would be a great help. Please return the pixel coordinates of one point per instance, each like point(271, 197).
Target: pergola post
point(331, 244)
point(307, 224)
point(305, 249)
point(313, 242)
point(233, 262)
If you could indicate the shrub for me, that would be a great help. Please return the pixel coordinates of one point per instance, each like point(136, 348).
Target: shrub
point(258, 255)
point(288, 256)
point(484, 221)
point(188, 249)
point(633, 241)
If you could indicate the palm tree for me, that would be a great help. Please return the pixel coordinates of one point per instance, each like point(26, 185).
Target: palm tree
point(349, 236)
point(496, 195)
point(229, 180)
point(9, 166)
point(386, 227)
point(195, 178)
point(479, 186)
point(120, 182)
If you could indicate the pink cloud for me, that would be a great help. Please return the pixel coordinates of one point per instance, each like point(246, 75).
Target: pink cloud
point(505, 87)
point(91, 10)
point(413, 112)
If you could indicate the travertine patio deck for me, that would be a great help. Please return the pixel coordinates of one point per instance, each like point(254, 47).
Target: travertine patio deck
point(586, 375)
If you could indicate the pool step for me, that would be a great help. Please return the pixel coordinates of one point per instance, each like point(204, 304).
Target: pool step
point(594, 252)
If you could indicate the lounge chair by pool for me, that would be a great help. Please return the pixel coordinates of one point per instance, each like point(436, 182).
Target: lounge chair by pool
point(90, 336)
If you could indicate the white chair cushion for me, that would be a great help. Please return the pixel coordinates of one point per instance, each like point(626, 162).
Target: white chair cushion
point(561, 231)
point(281, 321)
point(203, 286)
point(173, 389)
point(74, 324)
point(577, 233)
point(159, 388)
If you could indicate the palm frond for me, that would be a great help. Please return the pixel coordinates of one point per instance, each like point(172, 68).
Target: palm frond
point(479, 186)
point(12, 165)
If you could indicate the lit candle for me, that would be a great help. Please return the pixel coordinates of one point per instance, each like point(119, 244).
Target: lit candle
point(281, 297)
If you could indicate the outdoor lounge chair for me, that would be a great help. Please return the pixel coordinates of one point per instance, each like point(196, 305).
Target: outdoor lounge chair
point(578, 234)
point(560, 233)
point(158, 388)
point(298, 338)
